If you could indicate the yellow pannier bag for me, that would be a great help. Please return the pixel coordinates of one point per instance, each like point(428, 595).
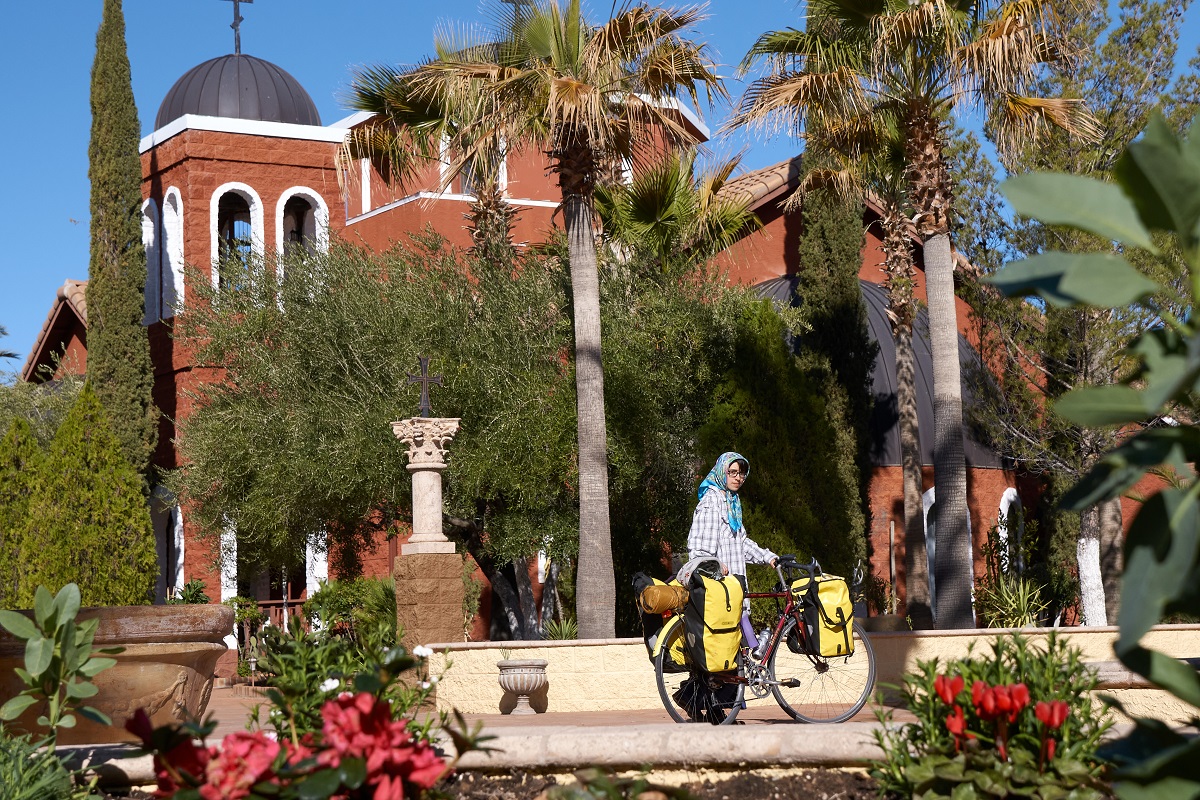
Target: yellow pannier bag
point(712, 623)
point(828, 613)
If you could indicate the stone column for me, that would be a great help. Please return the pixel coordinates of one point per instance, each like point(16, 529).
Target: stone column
point(428, 571)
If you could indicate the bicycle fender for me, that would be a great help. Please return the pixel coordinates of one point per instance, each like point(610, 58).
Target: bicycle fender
point(667, 627)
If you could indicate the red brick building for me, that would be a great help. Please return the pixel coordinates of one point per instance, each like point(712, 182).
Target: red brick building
point(239, 158)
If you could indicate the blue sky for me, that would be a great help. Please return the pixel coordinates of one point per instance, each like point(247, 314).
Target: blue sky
point(45, 64)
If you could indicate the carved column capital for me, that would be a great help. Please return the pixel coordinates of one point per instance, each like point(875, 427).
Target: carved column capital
point(428, 439)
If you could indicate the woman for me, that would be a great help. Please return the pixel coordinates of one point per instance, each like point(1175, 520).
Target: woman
point(717, 528)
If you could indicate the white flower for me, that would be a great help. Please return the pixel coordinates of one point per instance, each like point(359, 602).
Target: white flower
point(330, 684)
point(433, 678)
point(425, 684)
point(421, 651)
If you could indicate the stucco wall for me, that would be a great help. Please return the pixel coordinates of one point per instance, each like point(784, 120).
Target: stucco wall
point(615, 674)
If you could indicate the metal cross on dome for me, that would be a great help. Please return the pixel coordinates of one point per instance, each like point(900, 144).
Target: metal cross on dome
point(237, 25)
point(425, 379)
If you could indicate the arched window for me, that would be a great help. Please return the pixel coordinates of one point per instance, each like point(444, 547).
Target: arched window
point(299, 225)
point(237, 230)
point(172, 253)
point(302, 219)
point(1010, 525)
point(236, 236)
point(151, 240)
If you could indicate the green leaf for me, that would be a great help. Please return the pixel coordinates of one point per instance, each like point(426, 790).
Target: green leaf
point(1177, 677)
point(79, 690)
point(1167, 788)
point(319, 785)
point(18, 625)
point(1124, 465)
point(1095, 406)
point(67, 721)
point(1085, 203)
point(16, 707)
point(66, 603)
point(1160, 551)
point(1065, 279)
point(352, 772)
point(43, 608)
point(1162, 181)
point(39, 652)
point(95, 666)
point(95, 715)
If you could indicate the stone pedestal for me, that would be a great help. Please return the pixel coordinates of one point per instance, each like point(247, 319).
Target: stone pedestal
point(429, 597)
point(428, 571)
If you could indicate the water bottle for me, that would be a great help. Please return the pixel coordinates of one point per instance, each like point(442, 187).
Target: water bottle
point(764, 637)
point(748, 632)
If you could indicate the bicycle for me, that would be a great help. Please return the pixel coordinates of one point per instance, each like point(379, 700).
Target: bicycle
point(808, 686)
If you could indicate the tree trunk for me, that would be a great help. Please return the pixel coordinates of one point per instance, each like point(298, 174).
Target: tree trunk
point(1112, 557)
point(1087, 557)
point(953, 571)
point(525, 594)
point(594, 581)
point(916, 561)
point(550, 606)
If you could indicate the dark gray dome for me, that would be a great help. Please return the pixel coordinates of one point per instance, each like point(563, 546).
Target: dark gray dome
point(241, 87)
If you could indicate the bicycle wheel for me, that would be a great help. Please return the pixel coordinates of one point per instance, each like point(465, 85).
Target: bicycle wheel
point(826, 689)
point(692, 695)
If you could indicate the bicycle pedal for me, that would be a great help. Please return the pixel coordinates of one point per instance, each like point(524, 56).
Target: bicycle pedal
point(791, 683)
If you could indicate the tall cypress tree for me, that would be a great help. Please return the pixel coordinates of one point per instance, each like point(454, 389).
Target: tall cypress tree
point(119, 364)
point(838, 351)
point(20, 458)
point(88, 521)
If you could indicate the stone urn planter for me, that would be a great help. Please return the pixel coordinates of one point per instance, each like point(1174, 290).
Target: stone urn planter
point(522, 677)
point(166, 668)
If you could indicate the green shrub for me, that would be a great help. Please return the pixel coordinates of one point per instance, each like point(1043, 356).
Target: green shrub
point(88, 519)
point(361, 608)
point(959, 746)
point(20, 459)
point(192, 594)
point(28, 771)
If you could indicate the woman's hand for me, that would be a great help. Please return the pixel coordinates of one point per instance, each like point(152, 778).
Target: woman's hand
point(724, 570)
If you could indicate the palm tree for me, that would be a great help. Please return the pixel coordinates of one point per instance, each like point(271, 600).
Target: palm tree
point(589, 97)
point(915, 61)
point(675, 215)
point(5, 353)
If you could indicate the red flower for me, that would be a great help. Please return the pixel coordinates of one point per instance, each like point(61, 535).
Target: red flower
point(1052, 714)
point(358, 726)
point(948, 688)
point(1019, 694)
point(172, 768)
point(244, 760)
point(956, 723)
point(1050, 744)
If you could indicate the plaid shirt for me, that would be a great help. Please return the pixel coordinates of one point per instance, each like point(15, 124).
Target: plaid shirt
point(712, 536)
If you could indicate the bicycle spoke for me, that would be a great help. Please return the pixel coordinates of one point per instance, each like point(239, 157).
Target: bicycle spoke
point(822, 690)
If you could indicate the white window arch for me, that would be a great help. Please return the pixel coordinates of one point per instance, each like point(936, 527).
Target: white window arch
point(172, 253)
point(313, 229)
point(256, 224)
point(151, 241)
point(1010, 523)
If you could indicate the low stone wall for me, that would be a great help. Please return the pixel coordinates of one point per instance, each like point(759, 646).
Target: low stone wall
point(616, 674)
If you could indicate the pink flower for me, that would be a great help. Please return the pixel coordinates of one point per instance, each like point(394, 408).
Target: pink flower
point(244, 760)
point(359, 726)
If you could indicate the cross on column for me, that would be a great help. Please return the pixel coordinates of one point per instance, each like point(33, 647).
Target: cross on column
point(237, 25)
point(424, 379)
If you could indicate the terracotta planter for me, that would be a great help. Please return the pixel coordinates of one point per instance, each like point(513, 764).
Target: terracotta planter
point(522, 677)
point(167, 666)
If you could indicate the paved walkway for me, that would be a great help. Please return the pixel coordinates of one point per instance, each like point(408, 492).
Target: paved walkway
point(561, 742)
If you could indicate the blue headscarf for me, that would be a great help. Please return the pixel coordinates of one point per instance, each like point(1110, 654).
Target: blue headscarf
point(716, 480)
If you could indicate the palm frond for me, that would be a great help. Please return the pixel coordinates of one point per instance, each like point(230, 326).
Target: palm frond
point(787, 100)
point(1017, 119)
point(793, 50)
point(934, 24)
